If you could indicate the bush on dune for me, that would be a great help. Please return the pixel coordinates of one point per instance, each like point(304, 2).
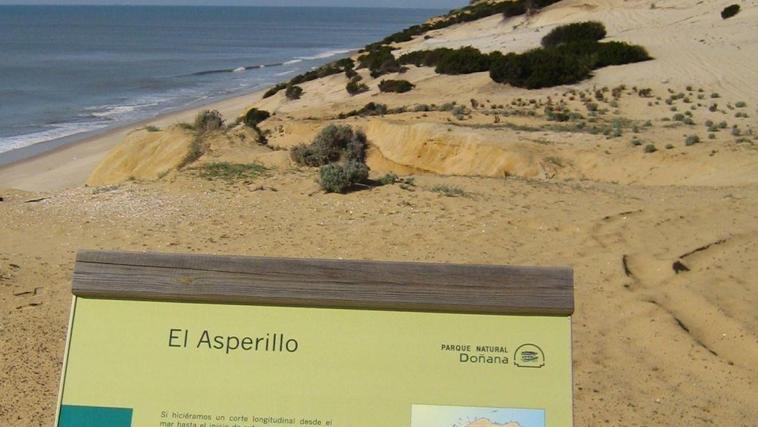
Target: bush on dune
point(572, 54)
point(255, 116)
point(354, 86)
point(424, 58)
point(602, 55)
point(340, 177)
point(465, 60)
point(380, 61)
point(293, 92)
point(619, 53)
point(208, 120)
point(730, 11)
point(332, 144)
point(396, 86)
point(370, 109)
point(325, 70)
point(539, 68)
point(340, 152)
point(573, 33)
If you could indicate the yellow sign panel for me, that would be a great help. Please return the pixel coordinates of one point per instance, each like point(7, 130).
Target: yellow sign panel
point(141, 363)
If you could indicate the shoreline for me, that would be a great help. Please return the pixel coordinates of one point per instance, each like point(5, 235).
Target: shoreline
point(67, 162)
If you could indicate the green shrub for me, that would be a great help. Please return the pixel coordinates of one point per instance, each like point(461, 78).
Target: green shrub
point(325, 70)
point(293, 92)
point(197, 150)
point(389, 179)
point(345, 64)
point(354, 87)
point(370, 109)
point(691, 140)
point(740, 104)
point(255, 116)
point(208, 120)
point(650, 148)
point(397, 86)
point(424, 58)
point(380, 61)
point(232, 171)
point(618, 53)
point(448, 190)
point(274, 90)
point(356, 171)
point(539, 68)
point(730, 11)
point(332, 144)
point(334, 179)
point(472, 12)
point(339, 178)
point(465, 60)
point(514, 8)
point(572, 33)
point(151, 128)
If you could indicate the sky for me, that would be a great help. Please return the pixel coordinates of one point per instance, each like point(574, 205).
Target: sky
point(433, 4)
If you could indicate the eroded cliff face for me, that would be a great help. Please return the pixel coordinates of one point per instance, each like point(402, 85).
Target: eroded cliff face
point(144, 155)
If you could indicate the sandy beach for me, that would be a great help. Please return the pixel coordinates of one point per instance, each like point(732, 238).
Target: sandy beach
point(69, 165)
point(659, 228)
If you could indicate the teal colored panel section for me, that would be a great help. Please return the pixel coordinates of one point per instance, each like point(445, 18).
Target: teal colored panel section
point(91, 416)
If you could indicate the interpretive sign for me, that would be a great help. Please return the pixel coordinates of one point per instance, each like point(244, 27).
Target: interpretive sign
point(201, 341)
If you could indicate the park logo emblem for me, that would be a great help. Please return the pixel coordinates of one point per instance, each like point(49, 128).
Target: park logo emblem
point(529, 356)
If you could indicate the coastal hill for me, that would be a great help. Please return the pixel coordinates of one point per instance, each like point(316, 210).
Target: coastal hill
point(642, 176)
point(699, 61)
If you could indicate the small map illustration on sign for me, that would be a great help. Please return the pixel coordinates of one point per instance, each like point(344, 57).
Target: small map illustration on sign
point(461, 416)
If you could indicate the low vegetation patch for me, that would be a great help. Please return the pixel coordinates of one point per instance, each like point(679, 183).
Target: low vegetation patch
point(569, 54)
point(465, 60)
point(380, 61)
point(396, 86)
point(566, 60)
point(197, 149)
point(340, 177)
point(342, 65)
point(540, 68)
point(334, 143)
point(340, 152)
point(293, 92)
point(573, 33)
point(730, 11)
point(472, 12)
point(691, 140)
point(208, 120)
point(448, 190)
point(231, 172)
point(354, 86)
point(254, 116)
point(370, 109)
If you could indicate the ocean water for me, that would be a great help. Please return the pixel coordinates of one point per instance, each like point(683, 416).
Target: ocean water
point(66, 70)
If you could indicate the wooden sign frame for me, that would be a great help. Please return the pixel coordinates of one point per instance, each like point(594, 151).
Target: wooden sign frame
point(379, 285)
point(127, 288)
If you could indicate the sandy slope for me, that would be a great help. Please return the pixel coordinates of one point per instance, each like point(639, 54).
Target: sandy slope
point(651, 346)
